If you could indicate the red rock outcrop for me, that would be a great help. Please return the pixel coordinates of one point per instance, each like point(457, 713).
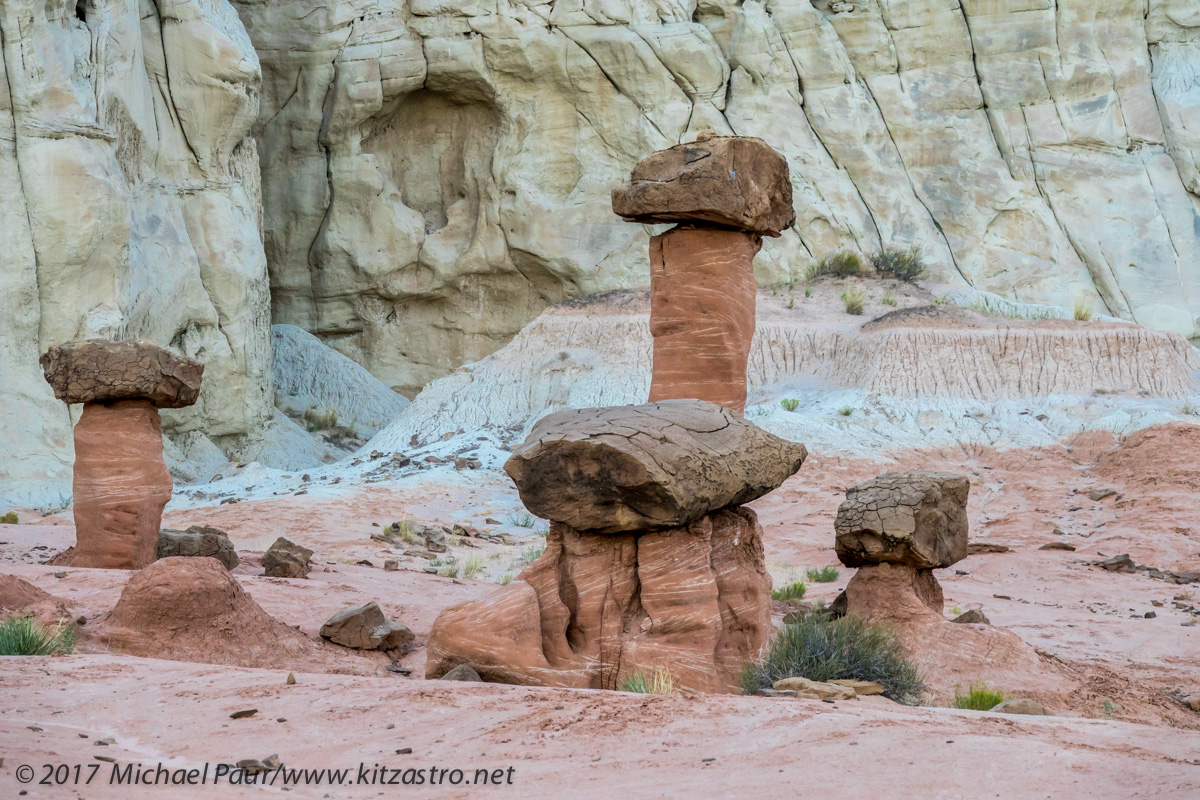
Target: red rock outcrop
point(121, 483)
point(598, 609)
point(702, 298)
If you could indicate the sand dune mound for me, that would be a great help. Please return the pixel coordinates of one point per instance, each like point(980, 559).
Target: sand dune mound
point(192, 609)
point(22, 597)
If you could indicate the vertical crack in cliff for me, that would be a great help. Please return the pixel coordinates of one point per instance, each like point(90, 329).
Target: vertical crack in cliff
point(168, 95)
point(13, 92)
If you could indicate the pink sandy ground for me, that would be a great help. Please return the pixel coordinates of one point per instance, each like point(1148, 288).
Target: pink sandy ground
point(1119, 733)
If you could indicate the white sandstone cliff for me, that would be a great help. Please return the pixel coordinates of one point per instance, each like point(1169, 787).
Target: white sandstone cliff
point(437, 171)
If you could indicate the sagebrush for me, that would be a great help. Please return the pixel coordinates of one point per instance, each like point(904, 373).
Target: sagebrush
point(903, 265)
point(820, 647)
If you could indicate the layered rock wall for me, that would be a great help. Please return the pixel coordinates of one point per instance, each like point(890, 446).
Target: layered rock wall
point(435, 173)
point(129, 208)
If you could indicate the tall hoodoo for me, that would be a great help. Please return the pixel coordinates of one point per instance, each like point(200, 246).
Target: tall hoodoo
point(725, 193)
point(120, 482)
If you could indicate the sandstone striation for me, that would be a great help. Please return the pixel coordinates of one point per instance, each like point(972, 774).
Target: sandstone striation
point(660, 465)
point(120, 481)
point(596, 610)
point(737, 182)
point(702, 304)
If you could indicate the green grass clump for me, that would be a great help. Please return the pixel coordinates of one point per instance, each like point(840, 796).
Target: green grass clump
point(789, 403)
point(904, 265)
point(472, 567)
point(1083, 310)
point(9, 518)
point(844, 264)
point(505, 579)
point(827, 574)
point(889, 298)
point(793, 591)
point(846, 411)
point(853, 300)
point(25, 636)
point(522, 520)
point(532, 554)
point(822, 648)
point(660, 681)
point(979, 697)
point(320, 419)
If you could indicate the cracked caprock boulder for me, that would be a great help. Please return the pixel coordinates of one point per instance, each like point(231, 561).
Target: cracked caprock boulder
point(659, 465)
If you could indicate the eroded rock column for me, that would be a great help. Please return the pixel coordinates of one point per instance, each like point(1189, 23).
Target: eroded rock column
point(120, 483)
point(727, 193)
point(652, 565)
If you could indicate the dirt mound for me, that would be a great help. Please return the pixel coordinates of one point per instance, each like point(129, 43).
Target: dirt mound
point(22, 597)
point(192, 609)
point(1163, 454)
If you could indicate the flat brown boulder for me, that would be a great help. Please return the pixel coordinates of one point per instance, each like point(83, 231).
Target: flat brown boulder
point(365, 628)
point(597, 610)
point(635, 468)
point(914, 518)
point(101, 370)
point(198, 541)
point(733, 181)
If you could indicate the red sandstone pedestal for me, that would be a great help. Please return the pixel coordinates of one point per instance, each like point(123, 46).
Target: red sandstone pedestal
point(702, 294)
point(121, 484)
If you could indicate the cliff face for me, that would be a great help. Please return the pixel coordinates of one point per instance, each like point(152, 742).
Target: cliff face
point(129, 207)
point(436, 171)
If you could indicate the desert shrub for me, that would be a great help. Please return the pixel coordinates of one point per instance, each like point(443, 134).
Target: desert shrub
point(979, 697)
point(532, 554)
point(826, 574)
point(9, 518)
point(888, 299)
point(1083, 310)
point(659, 681)
point(793, 591)
point(505, 579)
point(844, 264)
point(522, 519)
point(472, 567)
point(789, 403)
point(903, 265)
point(853, 299)
point(846, 411)
point(25, 636)
point(319, 420)
point(1189, 409)
point(823, 648)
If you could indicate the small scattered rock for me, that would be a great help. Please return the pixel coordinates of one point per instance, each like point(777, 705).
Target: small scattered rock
point(399, 670)
point(390, 565)
point(105, 742)
point(978, 548)
point(463, 672)
point(1100, 494)
point(490, 521)
point(972, 617)
point(246, 712)
point(291, 679)
point(286, 559)
point(1121, 563)
point(1149, 615)
point(1192, 701)
point(1058, 546)
point(1021, 705)
point(365, 628)
point(776, 692)
point(108, 759)
point(404, 751)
